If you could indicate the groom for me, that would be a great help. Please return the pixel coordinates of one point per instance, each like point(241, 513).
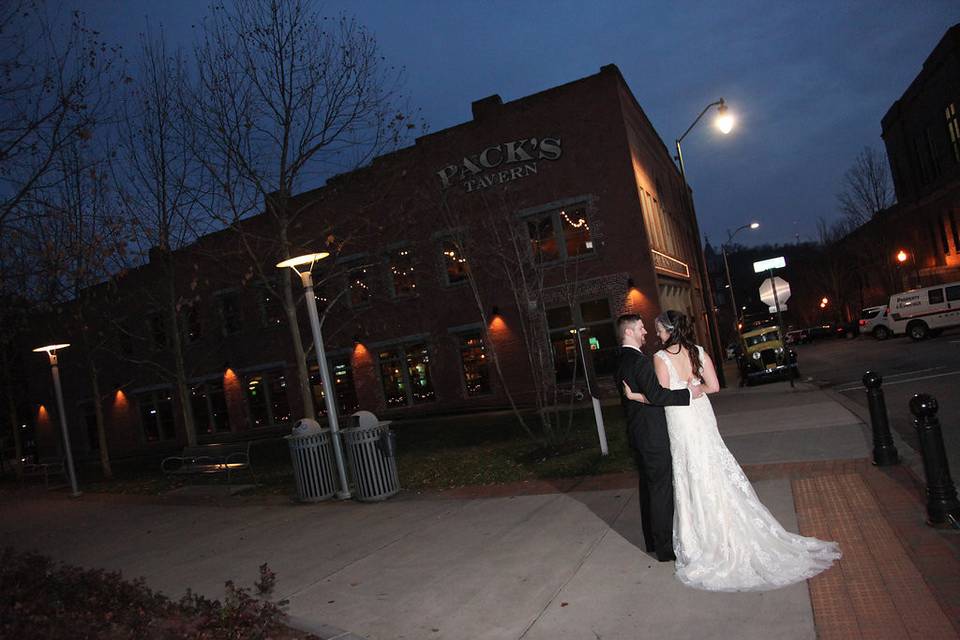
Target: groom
point(647, 434)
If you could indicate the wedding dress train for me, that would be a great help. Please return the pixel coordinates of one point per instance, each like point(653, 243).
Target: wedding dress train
point(723, 536)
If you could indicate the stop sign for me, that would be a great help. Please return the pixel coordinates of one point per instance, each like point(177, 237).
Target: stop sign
point(783, 291)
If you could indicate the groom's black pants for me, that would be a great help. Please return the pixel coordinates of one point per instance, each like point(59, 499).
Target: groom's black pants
point(655, 465)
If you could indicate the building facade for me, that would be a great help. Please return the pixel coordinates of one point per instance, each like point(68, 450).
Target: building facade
point(563, 206)
point(921, 132)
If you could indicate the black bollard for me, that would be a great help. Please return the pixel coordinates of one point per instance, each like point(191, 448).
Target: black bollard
point(942, 504)
point(884, 451)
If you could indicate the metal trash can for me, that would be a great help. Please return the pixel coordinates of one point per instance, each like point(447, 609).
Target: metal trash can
point(371, 453)
point(314, 467)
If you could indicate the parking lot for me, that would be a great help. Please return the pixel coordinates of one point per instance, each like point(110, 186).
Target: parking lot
point(931, 366)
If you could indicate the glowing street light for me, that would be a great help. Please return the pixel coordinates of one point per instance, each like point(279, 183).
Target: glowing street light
point(724, 122)
point(902, 256)
point(824, 302)
point(306, 277)
point(51, 351)
point(726, 266)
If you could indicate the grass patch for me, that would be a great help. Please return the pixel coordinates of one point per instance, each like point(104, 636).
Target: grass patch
point(433, 453)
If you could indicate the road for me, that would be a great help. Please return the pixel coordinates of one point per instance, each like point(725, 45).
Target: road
point(931, 366)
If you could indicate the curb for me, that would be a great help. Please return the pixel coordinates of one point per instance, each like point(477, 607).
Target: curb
point(910, 458)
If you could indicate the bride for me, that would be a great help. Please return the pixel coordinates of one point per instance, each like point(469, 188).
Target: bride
point(723, 536)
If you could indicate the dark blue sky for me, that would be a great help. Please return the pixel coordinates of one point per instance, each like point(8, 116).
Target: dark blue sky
point(808, 81)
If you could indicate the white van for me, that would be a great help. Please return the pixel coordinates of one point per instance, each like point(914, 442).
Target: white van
point(923, 312)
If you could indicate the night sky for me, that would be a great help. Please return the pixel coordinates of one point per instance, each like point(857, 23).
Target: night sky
point(808, 81)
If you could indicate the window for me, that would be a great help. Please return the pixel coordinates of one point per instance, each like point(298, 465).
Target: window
point(229, 303)
point(405, 374)
point(953, 293)
point(191, 323)
point(271, 308)
point(476, 368)
point(156, 415)
point(401, 273)
point(257, 402)
point(209, 407)
point(391, 374)
point(953, 130)
point(267, 399)
point(943, 235)
point(598, 337)
point(935, 296)
point(543, 241)
point(360, 282)
point(576, 232)
point(560, 235)
point(158, 333)
point(455, 263)
point(342, 376)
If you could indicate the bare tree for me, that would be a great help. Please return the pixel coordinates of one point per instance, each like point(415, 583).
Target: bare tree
point(498, 243)
point(55, 81)
point(50, 80)
point(866, 188)
point(160, 183)
point(286, 95)
point(76, 242)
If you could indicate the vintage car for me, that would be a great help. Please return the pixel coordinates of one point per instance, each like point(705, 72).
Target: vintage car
point(764, 356)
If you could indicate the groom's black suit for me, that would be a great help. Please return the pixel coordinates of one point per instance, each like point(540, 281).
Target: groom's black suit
point(647, 434)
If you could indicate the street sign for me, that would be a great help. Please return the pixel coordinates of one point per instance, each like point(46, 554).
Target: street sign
point(782, 293)
point(767, 265)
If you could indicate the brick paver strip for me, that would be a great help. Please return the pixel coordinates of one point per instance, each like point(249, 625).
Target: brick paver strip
point(875, 591)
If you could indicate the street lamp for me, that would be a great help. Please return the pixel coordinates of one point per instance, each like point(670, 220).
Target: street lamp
point(724, 122)
point(306, 277)
point(51, 351)
point(726, 265)
point(902, 257)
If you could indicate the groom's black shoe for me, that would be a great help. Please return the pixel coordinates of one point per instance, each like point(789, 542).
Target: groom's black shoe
point(667, 557)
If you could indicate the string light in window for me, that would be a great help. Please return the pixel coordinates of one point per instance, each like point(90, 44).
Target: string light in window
point(581, 222)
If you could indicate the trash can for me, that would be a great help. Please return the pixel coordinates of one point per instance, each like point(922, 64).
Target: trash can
point(371, 452)
point(314, 467)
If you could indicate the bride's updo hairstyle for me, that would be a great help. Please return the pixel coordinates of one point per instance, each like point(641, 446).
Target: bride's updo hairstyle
point(681, 333)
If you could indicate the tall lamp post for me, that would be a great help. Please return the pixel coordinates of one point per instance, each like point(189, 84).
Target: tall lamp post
point(51, 351)
point(306, 277)
point(723, 122)
point(726, 266)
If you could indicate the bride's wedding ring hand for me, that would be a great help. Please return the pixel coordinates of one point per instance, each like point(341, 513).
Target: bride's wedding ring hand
point(696, 390)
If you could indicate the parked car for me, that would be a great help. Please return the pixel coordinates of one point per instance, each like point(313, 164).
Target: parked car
point(821, 331)
point(846, 329)
point(798, 336)
point(764, 356)
point(925, 312)
point(875, 321)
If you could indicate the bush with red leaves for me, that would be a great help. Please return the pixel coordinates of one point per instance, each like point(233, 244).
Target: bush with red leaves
point(43, 599)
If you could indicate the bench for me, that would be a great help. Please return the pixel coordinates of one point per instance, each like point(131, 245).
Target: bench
point(44, 467)
point(209, 458)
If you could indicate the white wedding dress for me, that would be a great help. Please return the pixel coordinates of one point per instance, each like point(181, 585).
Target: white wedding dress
point(723, 536)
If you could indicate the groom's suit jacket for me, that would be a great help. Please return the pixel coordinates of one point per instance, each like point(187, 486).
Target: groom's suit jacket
point(645, 422)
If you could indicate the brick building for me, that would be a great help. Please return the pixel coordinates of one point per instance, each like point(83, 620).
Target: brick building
point(432, 243)
point(921, 132)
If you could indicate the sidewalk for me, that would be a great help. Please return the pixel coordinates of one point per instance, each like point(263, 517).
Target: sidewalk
point(550, 560)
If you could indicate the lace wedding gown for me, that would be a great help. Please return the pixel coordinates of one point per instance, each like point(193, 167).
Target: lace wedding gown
point(723, 536)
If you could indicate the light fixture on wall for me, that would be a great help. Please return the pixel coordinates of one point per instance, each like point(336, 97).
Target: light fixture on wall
point(495, 311)
point(630, 283)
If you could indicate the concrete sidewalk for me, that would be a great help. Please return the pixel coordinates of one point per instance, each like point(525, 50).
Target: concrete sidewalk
point(538, 560)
